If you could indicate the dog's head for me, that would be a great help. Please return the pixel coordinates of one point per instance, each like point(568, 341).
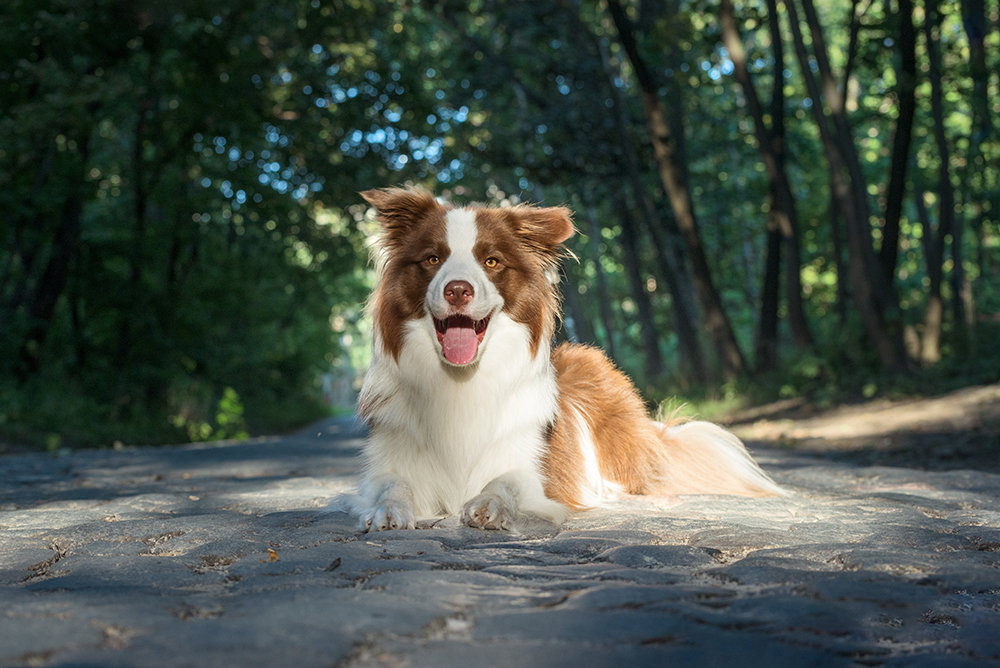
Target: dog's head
point(461, 266)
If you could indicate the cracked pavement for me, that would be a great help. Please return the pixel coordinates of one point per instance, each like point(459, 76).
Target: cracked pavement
point(217, 555)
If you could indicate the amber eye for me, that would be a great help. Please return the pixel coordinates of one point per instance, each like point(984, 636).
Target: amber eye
point(433, 259)
point(491, 262)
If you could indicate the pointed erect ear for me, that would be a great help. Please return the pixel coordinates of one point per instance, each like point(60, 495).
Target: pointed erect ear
point(399, 208)
point(546, 227)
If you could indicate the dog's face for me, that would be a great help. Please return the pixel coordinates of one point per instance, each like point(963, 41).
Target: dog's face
point(457, 268)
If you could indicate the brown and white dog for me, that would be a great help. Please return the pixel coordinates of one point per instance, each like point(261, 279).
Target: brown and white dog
point(470, 409)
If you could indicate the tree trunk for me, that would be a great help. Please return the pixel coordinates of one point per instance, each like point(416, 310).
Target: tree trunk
point(948, 223)
point(782, 215)
point(873, 296)
point(930, 343)
point(137, 259)
point(42, 307)
point(837, 243)
point(640, 293)
point(906, 103)
point(766, 347)
point(674, 181)
point(976, 27)
point(801, 333)
point(672, 267)
point(603, 296)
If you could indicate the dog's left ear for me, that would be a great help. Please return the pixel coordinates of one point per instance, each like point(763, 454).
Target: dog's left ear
point(545, 227)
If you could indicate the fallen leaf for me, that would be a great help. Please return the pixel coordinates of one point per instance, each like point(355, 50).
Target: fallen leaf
point(334, 565)
point(271, 555)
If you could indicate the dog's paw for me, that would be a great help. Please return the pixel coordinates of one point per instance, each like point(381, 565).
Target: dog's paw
point(388, 516)
point(487, 511)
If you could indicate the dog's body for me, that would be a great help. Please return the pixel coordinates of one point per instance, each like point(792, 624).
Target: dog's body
point(469, 409)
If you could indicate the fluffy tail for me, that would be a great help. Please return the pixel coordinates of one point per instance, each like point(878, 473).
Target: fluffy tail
point(703, 458)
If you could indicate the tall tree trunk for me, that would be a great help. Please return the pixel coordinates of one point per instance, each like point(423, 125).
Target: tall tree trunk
point(137, 258)
point(880, 288)
point(976, 27)
point(672, 268)
point(801, 333)
point(640, 293)
point(766, 346)
point(906, 79)
point(948, 223)
point(930, 343)
point(872, 293)
point(42, 307)
point(782, 215)
point(837, 248)
point(603, 296)
point(674, 181)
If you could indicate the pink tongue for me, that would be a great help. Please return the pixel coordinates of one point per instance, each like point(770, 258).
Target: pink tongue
point(460, 344)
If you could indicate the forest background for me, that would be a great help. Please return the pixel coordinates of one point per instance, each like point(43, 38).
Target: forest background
point(774, 198)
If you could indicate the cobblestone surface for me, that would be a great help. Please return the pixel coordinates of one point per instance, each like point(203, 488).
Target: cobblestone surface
point(218, 556)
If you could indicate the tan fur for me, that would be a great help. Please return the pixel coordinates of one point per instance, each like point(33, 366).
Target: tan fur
point(625, 439)
point(641, 455)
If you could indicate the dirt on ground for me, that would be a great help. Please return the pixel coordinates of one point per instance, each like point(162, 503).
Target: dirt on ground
point(958, 430)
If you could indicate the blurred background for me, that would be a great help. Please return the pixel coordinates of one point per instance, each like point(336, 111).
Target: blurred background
point(774, 199)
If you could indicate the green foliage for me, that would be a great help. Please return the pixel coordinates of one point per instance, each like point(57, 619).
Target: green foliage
point(228, 424)
point(183, 253)
point(165, 174)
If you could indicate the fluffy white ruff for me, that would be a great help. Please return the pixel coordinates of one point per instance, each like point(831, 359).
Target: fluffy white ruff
point(444, 436)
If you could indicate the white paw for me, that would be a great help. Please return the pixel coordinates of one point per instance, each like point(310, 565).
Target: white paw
point(387, 516)
point(487, 511)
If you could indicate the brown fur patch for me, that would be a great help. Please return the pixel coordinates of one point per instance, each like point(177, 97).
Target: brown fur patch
point(415, 230)
point(525, 241)
point(624, 437)
point(632, 450)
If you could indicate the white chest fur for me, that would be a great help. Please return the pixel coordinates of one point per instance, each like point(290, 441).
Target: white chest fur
point(449, 431)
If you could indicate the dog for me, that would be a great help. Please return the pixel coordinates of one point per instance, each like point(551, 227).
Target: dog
point(471, 411)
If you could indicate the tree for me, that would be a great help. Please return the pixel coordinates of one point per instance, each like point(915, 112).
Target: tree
point(872, 294)
point(935, 239)
point(672, 268)
point(675, 183)
point(906, 103)
point(782, 216)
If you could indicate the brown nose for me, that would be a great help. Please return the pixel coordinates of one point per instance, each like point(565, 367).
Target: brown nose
point(458, 293)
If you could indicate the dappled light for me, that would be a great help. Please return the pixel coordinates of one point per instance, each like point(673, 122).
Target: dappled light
point(781, 199)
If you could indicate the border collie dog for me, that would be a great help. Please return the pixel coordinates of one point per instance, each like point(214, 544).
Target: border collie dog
point(472, 413)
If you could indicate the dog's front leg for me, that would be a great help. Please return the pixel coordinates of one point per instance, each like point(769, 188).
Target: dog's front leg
point(393, 506)
point(513, 493)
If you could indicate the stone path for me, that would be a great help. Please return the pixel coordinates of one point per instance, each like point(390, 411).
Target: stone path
point(217, 556)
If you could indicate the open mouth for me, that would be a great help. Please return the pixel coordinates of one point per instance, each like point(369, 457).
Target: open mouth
point(460, 336)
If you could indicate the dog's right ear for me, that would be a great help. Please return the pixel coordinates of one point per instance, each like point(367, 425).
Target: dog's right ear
point(399, 208)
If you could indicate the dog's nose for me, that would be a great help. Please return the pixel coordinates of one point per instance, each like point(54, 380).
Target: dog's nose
point(458, 293)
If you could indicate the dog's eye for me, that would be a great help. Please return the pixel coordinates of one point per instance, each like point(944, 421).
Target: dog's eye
point(433, 259)
point(491, 262)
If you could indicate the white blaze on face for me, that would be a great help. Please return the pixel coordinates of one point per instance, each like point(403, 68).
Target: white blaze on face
point(462, 233)
point(461, 328)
